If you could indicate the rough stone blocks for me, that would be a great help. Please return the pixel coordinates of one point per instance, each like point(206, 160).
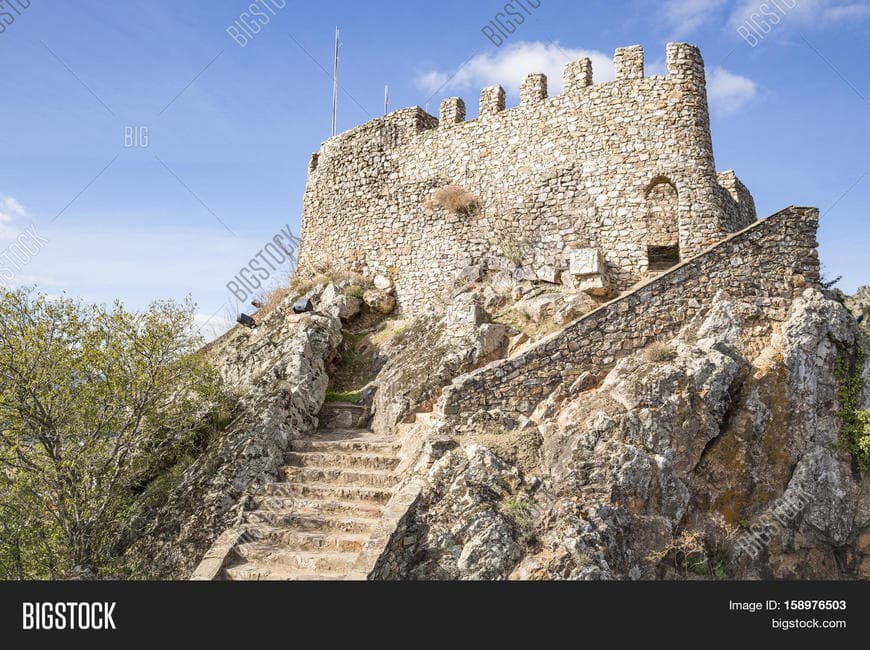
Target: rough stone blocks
point(586, 261)
point(465, 315)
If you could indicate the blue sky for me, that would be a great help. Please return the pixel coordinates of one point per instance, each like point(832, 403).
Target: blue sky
point(230, 129)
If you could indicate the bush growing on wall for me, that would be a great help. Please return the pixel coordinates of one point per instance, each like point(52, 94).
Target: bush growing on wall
point(455, 199)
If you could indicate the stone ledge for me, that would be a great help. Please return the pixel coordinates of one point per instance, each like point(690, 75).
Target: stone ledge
point(212, 565)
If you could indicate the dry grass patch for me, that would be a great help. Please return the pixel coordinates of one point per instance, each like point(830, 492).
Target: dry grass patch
point(454, 199)
point(520, 319)
point(270, 299)
point(520, 448)
point(304, 281)
point(659, 352)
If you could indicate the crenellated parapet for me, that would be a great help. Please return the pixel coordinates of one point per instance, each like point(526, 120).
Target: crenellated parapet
point(533, 89)
point(452, 111)
point(684, 63)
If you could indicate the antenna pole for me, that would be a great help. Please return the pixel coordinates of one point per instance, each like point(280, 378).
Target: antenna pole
point(335, 84)
point(386, 99)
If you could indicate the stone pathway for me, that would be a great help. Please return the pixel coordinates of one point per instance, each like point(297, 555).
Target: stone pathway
point(312, 524)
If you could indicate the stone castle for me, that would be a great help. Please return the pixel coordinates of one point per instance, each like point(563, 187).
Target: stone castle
point(620, 173)
point(690, 392)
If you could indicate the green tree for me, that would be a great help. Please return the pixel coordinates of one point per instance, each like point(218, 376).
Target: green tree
point(92, 400)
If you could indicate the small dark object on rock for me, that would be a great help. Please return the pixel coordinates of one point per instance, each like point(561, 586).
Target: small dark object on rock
point(302, 306)
point(247, 321)
point(860, 319)
point(257, 304)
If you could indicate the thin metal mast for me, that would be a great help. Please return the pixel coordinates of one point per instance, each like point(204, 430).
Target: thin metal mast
point(335, 85)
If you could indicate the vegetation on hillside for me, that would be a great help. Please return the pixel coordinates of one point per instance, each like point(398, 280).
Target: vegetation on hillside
point(855, 430)
point(96, 404)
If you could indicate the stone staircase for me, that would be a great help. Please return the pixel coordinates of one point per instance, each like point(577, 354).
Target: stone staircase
point(313, 523)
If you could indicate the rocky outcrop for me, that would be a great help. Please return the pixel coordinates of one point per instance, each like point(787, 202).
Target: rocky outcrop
point(430, 355)
point(695, 458)
point(859, 305)
point(278, 372)
point(460, 526)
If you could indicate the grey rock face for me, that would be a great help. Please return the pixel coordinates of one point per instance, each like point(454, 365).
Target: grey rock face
point(461, 531)
point(664, 468)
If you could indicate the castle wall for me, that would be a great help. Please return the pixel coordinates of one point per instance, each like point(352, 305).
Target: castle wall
point(737, 201)
point(551, 174)
point(762, 268)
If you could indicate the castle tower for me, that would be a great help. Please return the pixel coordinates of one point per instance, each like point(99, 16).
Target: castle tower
point(624, 167)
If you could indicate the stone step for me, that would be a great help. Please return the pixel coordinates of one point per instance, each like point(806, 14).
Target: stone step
point(267, 556)
point(373, 478)
point(307, 506)
point(248, 572)
point(324, 492)
point(292, 540)
point(308, 523)
point(353, 440)
point(341, 415)
point(342, 459)
point(313, 524)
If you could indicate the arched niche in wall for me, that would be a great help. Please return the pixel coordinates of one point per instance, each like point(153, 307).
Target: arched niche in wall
point(662, 224)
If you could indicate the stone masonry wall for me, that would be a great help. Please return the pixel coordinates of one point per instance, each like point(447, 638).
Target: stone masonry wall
point(761, 268)
point(738, 202)
point(551, 174)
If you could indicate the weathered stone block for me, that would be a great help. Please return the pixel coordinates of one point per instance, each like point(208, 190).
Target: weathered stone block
point(524, 273)
point(586, 261)
point(465, 315)
point(383, 283)
point(548, 274)
point(471, 273)
point(503, 282)
point(594, 285)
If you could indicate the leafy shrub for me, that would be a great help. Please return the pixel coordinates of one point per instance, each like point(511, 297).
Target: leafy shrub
point(855, 429)
point(97, 403)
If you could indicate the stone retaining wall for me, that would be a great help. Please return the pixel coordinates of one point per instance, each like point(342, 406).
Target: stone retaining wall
point(761, 267)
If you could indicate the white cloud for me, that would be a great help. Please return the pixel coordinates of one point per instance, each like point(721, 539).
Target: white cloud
point(807, 13)
point(510, 65)
point(10, 211)
point(210, 326)
point(685, 16)
point(729, 92)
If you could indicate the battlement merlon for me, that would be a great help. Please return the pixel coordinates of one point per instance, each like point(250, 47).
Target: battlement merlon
point(684, 63)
